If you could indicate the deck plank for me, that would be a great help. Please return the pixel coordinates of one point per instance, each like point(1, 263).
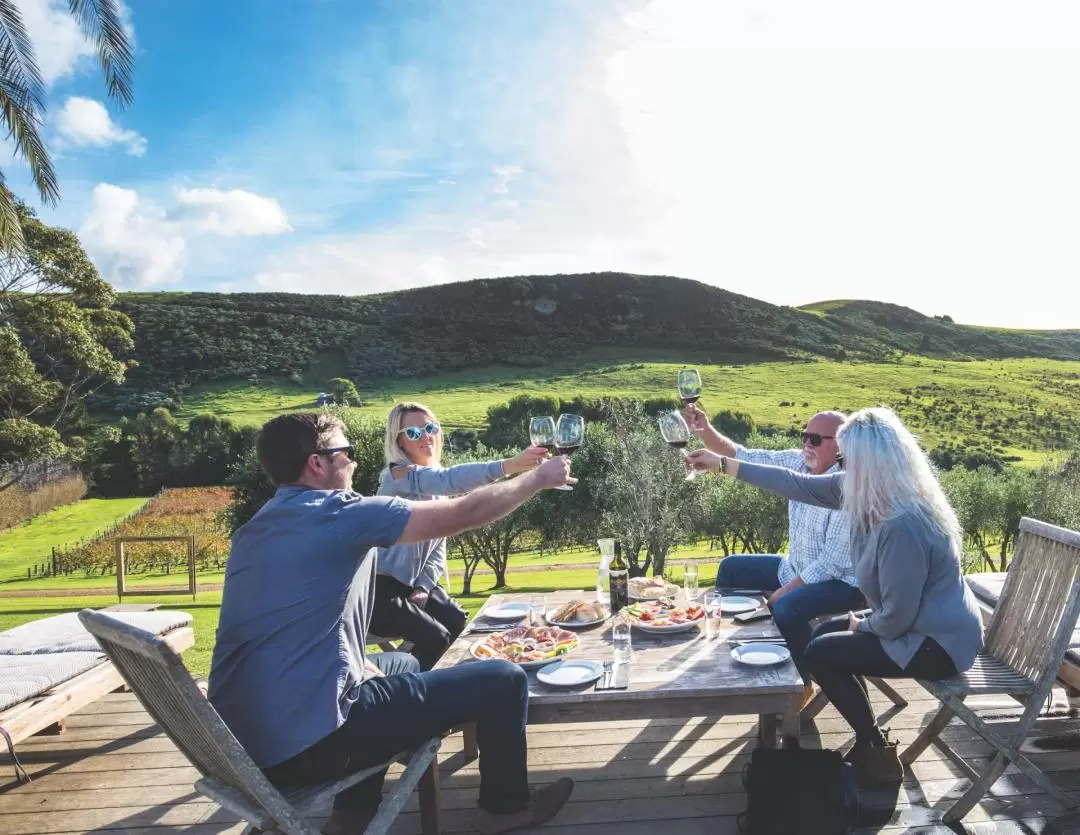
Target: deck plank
point(114, 772)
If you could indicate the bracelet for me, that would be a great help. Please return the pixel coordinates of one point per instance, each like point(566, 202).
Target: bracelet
point(502, 466)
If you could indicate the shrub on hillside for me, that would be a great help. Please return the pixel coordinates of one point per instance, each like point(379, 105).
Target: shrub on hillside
point(19, 503)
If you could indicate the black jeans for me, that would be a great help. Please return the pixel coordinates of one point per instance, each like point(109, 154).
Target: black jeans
point(838, 659)
point(403, 708)
point(431, 629)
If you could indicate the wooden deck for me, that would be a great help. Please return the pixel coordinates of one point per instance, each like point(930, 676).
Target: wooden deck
point(113, 772)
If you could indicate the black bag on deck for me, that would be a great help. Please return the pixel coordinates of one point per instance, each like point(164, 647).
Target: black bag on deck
point(798, 791)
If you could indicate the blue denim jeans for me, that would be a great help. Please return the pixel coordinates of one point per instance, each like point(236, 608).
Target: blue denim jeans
point(403, 708)
point(794, 611)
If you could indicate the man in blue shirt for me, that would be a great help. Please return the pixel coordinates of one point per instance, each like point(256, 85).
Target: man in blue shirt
point(290, 676)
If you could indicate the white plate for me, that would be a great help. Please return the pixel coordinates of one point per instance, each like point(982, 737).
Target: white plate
point(525, 665)
point(507, 611)
point(571, 624)
point(761, 655)
point(734, 605)
point(674, 627)
point(570, 673)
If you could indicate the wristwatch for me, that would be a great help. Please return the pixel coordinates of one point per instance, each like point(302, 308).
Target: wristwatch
point(723, 464)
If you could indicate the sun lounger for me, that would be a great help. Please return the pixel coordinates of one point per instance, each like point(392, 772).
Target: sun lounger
point(51, 667)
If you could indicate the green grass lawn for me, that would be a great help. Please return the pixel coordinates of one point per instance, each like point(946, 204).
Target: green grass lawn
point(32, 543)
point(1006, 398)
point(205, 610)
point(178, 577)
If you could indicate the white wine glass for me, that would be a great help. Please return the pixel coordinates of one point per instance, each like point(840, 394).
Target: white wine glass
point(689, 386)
point(569, 433)
point(677, 434)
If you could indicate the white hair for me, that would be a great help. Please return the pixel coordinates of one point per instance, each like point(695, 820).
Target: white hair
point(888, 474)
point(393, 454)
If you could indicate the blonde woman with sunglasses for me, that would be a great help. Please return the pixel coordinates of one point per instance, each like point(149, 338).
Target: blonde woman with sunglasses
point(409, 603)
point(923, 620)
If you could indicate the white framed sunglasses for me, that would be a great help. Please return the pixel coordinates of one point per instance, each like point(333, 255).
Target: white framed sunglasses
point(415, 433)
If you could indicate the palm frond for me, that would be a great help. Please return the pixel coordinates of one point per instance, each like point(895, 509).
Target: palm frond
point(22, 116)
point(20, 64)
point(101, 23)
point(11, 237)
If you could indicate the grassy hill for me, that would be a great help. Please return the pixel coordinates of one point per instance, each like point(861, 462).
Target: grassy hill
point(468, 346)
point(537, 322)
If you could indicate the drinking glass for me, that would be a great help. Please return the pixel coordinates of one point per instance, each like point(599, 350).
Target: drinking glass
point(620, 640)
point(713, 608)
point(569, 433)
point(677, 434)
point(689, 385)
point(542, 432)
point(537, 611)
point(690, 584)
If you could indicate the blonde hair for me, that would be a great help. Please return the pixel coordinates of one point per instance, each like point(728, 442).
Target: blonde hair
point(888, 474)
point(393, 454)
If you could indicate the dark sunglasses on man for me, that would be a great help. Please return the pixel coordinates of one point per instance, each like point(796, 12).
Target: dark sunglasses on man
point(348, 450)
point(415, 433)
point(815, 438)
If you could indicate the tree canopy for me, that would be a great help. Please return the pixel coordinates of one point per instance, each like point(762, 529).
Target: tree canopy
point(60, 339)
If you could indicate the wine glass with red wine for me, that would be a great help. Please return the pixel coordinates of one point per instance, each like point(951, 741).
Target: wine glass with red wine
point(569, 433)
point(689, 386)
point(542, 432)
point(677, 434)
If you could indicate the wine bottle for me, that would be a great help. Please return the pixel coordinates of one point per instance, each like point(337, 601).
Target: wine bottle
point(618, 581)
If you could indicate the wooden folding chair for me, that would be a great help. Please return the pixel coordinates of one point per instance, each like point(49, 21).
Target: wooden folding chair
point(162, 683)
point(1026, 639)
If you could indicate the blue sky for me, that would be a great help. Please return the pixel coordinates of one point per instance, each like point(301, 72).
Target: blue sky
point(923, 154)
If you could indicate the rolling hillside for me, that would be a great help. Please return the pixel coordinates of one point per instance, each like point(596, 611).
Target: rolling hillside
point(194, 339)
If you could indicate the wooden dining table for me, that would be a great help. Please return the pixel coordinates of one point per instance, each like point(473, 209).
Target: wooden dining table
point(670, 675)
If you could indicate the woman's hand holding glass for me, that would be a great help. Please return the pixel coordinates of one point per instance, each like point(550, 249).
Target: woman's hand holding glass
point(703, 460)
point(528, 459)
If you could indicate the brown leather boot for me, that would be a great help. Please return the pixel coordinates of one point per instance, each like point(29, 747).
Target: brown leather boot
point(543, 805)
point(876, 765)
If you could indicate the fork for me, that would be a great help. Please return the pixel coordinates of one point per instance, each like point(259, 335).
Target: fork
point(605, 679)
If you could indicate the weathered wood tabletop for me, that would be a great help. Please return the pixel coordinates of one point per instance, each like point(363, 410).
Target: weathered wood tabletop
point(673, 674)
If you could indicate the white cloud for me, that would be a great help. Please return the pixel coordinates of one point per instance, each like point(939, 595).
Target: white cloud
point(59, 44)
point(137, 242)
point(231, 213)
point(791, 151)
point(130, 239)
point(503, 175)
point(84, 122)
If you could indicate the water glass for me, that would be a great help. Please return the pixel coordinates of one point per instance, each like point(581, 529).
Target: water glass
point(690, 585)
point(620, 640)
point(537, 610)
point(713, 611)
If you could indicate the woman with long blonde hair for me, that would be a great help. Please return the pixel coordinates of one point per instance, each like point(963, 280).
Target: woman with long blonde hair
point(409, 602)
point(923, 620)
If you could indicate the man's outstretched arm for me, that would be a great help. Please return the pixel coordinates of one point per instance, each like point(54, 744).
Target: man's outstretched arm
point(446, 517)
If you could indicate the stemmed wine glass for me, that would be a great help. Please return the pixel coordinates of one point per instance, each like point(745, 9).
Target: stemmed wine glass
point(542, 432)
point(677, 434)
point(689, 386)
point(569, 433)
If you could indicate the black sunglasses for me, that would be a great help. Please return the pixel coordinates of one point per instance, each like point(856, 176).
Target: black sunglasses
point(348, 450)
point(815, 438)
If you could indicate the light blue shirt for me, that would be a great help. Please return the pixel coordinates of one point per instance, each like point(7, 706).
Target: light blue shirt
point(421, 564)
point(819, 538)
point(299, 585)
